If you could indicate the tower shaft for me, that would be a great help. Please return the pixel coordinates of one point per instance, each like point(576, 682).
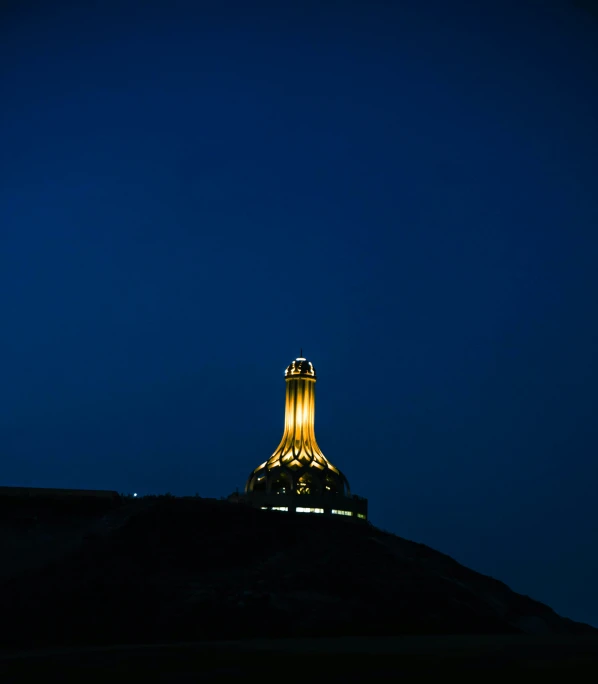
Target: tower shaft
point(298, 446)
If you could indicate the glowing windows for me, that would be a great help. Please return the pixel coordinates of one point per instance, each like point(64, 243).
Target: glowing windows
point(333, 486)
point(259, 483)
point(337, 512)
point(282, 484)
point(361, 515)
point(301, 509)
point(307, 485)
point(280, 508)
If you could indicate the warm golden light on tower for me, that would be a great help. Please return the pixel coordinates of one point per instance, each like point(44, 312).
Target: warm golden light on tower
point(298, 465)
point(298, 477)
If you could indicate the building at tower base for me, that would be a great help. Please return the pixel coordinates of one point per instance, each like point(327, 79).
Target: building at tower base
point(298, 477)
point(354, 506)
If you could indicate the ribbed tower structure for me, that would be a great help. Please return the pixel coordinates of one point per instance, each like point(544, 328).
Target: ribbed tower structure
point(298, 474)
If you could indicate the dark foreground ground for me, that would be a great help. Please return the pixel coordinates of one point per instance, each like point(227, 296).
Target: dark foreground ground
point(348, 659)
point(182, 590)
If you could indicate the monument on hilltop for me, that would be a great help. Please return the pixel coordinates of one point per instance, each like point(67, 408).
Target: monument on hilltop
point(298, 477)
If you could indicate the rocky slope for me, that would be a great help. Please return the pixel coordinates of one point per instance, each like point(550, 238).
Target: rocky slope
point(168, 569)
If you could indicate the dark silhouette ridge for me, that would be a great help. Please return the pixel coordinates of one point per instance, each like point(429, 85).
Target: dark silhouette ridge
point(167, 569)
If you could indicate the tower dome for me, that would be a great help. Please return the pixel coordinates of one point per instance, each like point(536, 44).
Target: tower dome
point(301, 367)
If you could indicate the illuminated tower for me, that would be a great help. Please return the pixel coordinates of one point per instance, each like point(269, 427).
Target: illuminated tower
point(298, 476)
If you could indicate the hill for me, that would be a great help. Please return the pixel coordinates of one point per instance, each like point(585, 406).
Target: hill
point(166, 569)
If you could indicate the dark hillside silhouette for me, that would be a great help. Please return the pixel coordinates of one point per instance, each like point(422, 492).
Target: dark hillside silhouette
point(164, 569)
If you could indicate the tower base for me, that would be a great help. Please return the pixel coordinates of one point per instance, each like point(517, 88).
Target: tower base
point(331, 505)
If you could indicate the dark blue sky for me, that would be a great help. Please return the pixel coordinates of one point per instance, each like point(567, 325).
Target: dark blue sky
point(189, 192)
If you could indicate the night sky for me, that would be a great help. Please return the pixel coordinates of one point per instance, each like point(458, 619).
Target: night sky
point(190, 192)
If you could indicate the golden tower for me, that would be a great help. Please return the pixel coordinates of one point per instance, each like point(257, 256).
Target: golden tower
point(298, 476)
